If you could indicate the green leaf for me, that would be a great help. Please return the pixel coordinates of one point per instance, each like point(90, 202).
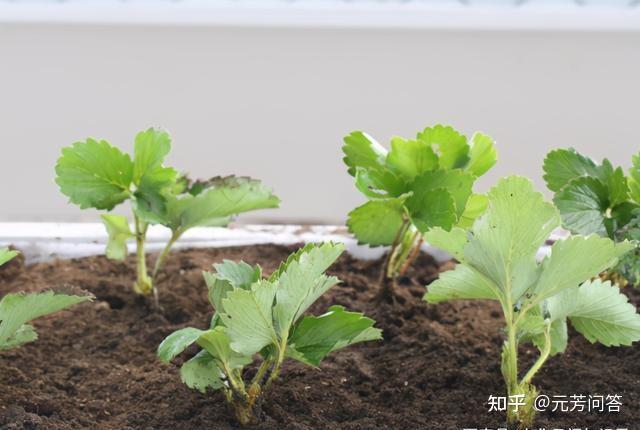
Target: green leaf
point(463, 282)
point(178, 341)
point(410, 158)
point(240, 275)
point(432, 208)
point(25, 334)
point(119, 232)
point(506, 238)
point(315, 337)
point(601, 313)
point(561, 166)
point(634, 179)
point(616, 182)
point(456, 182)
point(215, 206)
point(150, 149)
point(365, 158)
point(377, 222)
point(302, 282)
point(217, 343)
point(6, 255)
point(482, 155)
point(94, 174)
point(150, 197)
point(18, 309)
point(201, 372)
point(249, 319)
point(450, 145)
point(476, 205)
point(575, 259)
point(583, 204)
point(452, 241)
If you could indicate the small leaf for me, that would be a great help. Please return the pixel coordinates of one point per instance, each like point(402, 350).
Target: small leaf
point(25, 334)
point(177, 342)
point(201, 372)
point(634, 179)
point(150, 149)
point(452, 241)
point(94, 174)
point(240, 275)
point(476, 205)
point(583, 203)
point(456, 182)
point(217, 343)
point(119, 232)
point(377, 222)
point(433, 208)
point(7, 255)
point(315, 337)
point(601, 313)
point(561, 166)
point(463, 282)
point(18, 309)
point(450, 145)
point(410, 158)
point(482, 154)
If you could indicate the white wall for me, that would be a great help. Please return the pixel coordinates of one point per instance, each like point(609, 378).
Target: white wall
point(275, 103)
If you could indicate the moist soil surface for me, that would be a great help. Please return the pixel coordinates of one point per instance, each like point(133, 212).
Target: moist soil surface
point(94, 366)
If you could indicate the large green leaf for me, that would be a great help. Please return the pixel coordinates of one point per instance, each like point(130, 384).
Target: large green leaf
point(94, 174)
point(561, 166)
point(215, 206)
point(599, 311)
point(302, 282)
point(410, 158)
point(248, 316)
point(575, 259)
point(583, 204)
point(315, 337)
point(18, 309)
point(377, 222)
point(507, 237)
point(119, 233)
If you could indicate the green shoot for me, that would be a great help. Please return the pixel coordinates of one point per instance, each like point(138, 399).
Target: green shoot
point(600, 199)
point(257, 317)
point(415, 186)
point(95, 174)
point(498, 262)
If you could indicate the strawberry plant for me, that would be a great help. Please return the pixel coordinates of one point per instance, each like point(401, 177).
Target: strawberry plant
point(600, 199)
point(498, 262)
point(16, 310)
point(95, 174)
point(417, 185)
point(258, 317)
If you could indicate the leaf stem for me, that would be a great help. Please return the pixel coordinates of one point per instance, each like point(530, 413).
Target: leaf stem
point(544, 355)
point(162, 258)
point(144, 284)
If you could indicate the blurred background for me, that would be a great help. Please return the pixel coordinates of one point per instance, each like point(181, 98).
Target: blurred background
point(269, 88)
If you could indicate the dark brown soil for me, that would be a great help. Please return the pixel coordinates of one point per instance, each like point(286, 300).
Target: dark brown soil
point(95, 366)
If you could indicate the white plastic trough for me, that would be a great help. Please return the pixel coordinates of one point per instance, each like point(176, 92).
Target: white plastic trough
point(41, 242)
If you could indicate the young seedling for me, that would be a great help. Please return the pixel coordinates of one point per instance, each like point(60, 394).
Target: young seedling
point(95, 174)
point(600, 199)
point(415, 186)
point(16, 310)
point(498, 262)
point(256, 317)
